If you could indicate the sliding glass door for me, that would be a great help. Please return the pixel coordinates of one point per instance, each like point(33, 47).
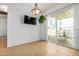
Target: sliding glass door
point(52, 29)
point(61, 28)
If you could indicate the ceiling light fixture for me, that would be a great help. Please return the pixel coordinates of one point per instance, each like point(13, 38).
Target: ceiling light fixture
point(36, 10)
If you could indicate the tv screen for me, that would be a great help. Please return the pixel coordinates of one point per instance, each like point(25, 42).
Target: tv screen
point(26, 19)
point(30, 20)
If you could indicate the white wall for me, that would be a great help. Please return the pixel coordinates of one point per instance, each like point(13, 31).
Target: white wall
point(43, 30)
point(18, 32)
point(3, 25)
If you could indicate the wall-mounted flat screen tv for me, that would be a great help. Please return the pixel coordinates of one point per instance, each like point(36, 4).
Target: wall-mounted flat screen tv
point(30, 20)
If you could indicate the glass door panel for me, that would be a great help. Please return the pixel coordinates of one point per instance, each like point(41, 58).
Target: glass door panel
point(51, 29)
point(61, 28)
point(65, 28)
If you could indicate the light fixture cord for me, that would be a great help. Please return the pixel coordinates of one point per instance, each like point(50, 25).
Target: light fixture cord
point(35, 4)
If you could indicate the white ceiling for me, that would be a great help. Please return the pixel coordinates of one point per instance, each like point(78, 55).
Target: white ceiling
point(28, 6)
point(45, 6)
point(42, 6)
point(3, 8)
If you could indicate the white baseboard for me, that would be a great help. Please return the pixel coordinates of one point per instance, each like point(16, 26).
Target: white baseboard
point(19, 43)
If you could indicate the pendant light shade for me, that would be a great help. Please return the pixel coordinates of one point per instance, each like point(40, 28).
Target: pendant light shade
point(36, 10)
